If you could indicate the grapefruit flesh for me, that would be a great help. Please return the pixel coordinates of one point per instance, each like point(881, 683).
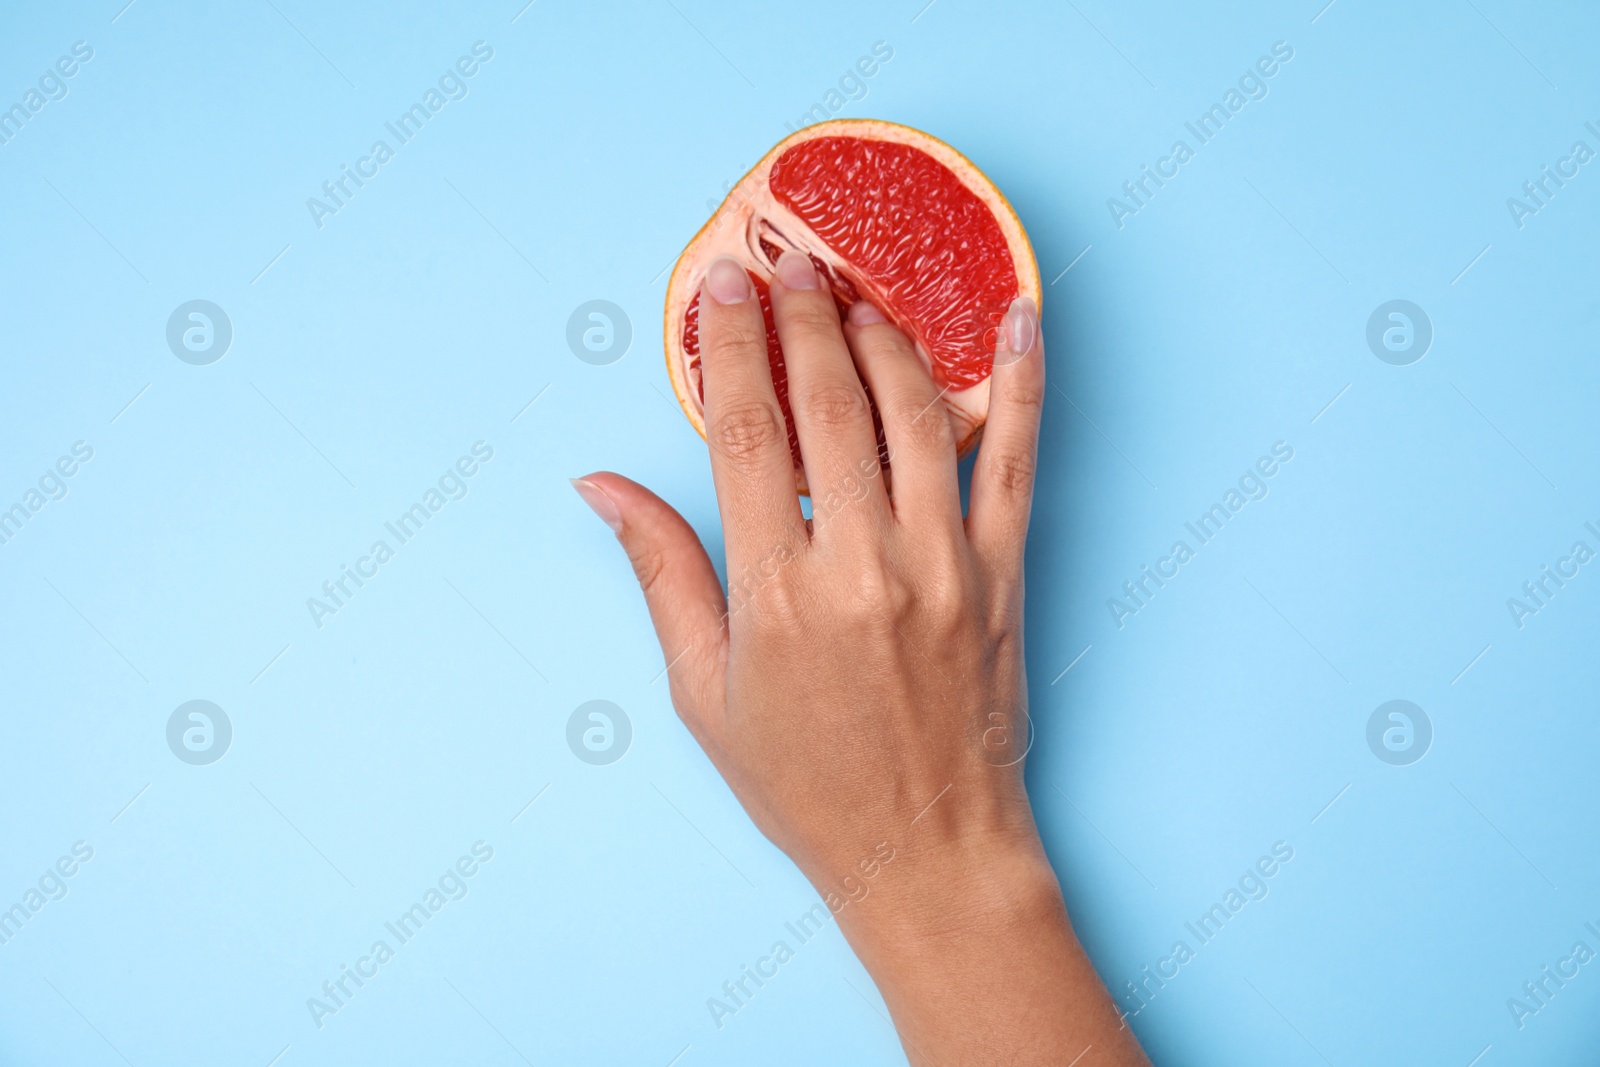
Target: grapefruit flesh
point(886, 214)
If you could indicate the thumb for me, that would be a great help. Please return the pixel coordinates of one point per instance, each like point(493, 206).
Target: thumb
point(686, 602)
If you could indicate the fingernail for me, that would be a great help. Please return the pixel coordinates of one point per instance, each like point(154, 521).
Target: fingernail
point(727, 282)
point(599, 503)
point(1022, 326)
point(795, 271)
point(864, 314)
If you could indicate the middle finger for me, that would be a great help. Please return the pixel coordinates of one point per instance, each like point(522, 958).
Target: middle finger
point(838, 445)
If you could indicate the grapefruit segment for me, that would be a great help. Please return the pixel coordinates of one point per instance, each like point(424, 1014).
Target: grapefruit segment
point(887, 214)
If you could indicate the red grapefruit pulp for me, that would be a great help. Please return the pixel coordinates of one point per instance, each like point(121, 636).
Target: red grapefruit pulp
point(887, 214)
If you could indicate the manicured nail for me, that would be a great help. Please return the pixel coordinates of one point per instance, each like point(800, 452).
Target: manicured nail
point(864, 314)
point(599, 503)
point(795, 271)
point(1022, 326)
point(727, 282)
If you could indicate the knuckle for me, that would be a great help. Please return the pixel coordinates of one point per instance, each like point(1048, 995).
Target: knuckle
point(1011, 470)
point(833, 405)
point(1026, 396)
point(763, 595)
point(778, 607)
point(884, 340)
point(879, 596)
point(816, 319)
point(946, 597)
point(649, 564)
point(745, 430)
point(733, 341)
point(944, 602)
point(923, 425)
point(1004, 620)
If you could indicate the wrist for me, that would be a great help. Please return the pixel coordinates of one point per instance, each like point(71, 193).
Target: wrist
point(962, 925)
point(985, 926)
point(937, 902)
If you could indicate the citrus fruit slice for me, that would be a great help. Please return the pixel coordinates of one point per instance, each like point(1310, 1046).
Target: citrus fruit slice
point(887, 214)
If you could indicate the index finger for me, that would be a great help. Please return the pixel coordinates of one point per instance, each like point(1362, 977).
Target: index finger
point(751, 464)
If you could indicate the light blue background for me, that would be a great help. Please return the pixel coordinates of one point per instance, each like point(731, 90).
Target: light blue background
point(371, 753)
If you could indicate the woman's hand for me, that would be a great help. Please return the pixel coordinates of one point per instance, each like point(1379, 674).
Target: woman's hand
point(861, 686)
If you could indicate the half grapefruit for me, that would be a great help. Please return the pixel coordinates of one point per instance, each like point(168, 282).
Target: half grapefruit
point(888, 214)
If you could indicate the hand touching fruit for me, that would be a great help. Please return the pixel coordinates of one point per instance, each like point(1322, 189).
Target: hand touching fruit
point(863, 687)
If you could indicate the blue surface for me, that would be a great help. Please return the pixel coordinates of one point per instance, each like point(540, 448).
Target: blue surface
point(371, 753)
